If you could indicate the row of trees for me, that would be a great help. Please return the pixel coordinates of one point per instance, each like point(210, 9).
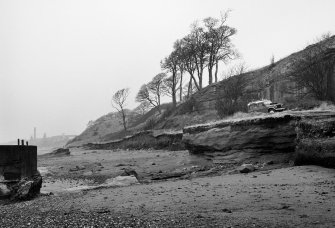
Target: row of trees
point(207, 44)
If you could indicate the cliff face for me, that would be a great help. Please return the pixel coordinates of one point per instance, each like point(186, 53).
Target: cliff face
point(306, 137)
point(273, 134)
point(316, 142)
point(143, 140)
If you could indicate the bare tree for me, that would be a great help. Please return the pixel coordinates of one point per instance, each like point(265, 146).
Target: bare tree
point(178, 47)
point(142, 108)
point(219, 45)
point(198, 40)
point(237, 69)
point(314, 71)
point(272, 60)
point(152, 91)
point(324, 36)
point(230, 94)
point(171, 86)
point(171, 64)
point(119, 103)
point(187, 56)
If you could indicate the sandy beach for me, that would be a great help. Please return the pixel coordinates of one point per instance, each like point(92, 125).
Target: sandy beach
point(286, 196)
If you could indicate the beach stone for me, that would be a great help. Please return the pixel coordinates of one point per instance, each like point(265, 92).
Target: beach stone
point(27, 188)
point(4, 191)
point(88, 173)
point(77, 168)
point(129, 172)
point(246, 168)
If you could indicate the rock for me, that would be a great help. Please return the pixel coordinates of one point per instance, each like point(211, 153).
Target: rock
point(270, 162)
point(88, 173)
point(59, 152)
point(246, 168)
point(307, 137)
point(27, 188)
point(77, 168)
point(165, 176)
point(121, 181)
point(226, 210)
point(121, 164)
point(316, 151)
point(259, 135)
point(4, 190)
point(129, 172)
point(102, 210)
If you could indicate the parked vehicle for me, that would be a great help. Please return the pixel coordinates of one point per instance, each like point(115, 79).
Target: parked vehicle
point(265, 106)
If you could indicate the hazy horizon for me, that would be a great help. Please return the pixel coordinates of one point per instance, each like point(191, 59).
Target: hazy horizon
point(61, 61)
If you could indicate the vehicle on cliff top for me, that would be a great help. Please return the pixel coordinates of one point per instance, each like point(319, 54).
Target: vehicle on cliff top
point(265, 106)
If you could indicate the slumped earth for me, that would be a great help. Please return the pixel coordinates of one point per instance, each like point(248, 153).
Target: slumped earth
point(175, 190)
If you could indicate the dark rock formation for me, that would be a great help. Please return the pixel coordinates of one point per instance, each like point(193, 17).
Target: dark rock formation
point(305, 137)
point(246, 168)
point(129, 172)
point(59, 152)
point(144, 140)
point(26, 188)
point(19, 177)
point(275, 134)
point(316, 142)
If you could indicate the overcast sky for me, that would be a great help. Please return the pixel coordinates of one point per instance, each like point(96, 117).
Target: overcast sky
point(61, 61)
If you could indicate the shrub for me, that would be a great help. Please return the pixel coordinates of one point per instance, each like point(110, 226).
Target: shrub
point(188, 106)
point(168, 112)
point(226, 107)
point(150, 124)
point(301, 104)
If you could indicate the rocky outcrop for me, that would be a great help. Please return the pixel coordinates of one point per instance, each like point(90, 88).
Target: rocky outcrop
point(58, 152)
point(265, 134)
point(316, 142)
point(144, 140)
point(306, 137)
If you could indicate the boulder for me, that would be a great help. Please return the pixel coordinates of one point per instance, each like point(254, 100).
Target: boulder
point(121, 181)
point(59, 152)
point(76, 168)
point(4, 190)
point(246, 168)
point(129, 172)
point(27, 188)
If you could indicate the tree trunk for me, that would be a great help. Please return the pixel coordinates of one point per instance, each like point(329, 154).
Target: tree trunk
point(189, 87)
point(216, 70)
point(181, 86)
point(210, 76)
point(124, 120)
point(174, 99)
point(200, 82)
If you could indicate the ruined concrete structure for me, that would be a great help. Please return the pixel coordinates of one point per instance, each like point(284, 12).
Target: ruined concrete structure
point(17, 162)
point(19, 177)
